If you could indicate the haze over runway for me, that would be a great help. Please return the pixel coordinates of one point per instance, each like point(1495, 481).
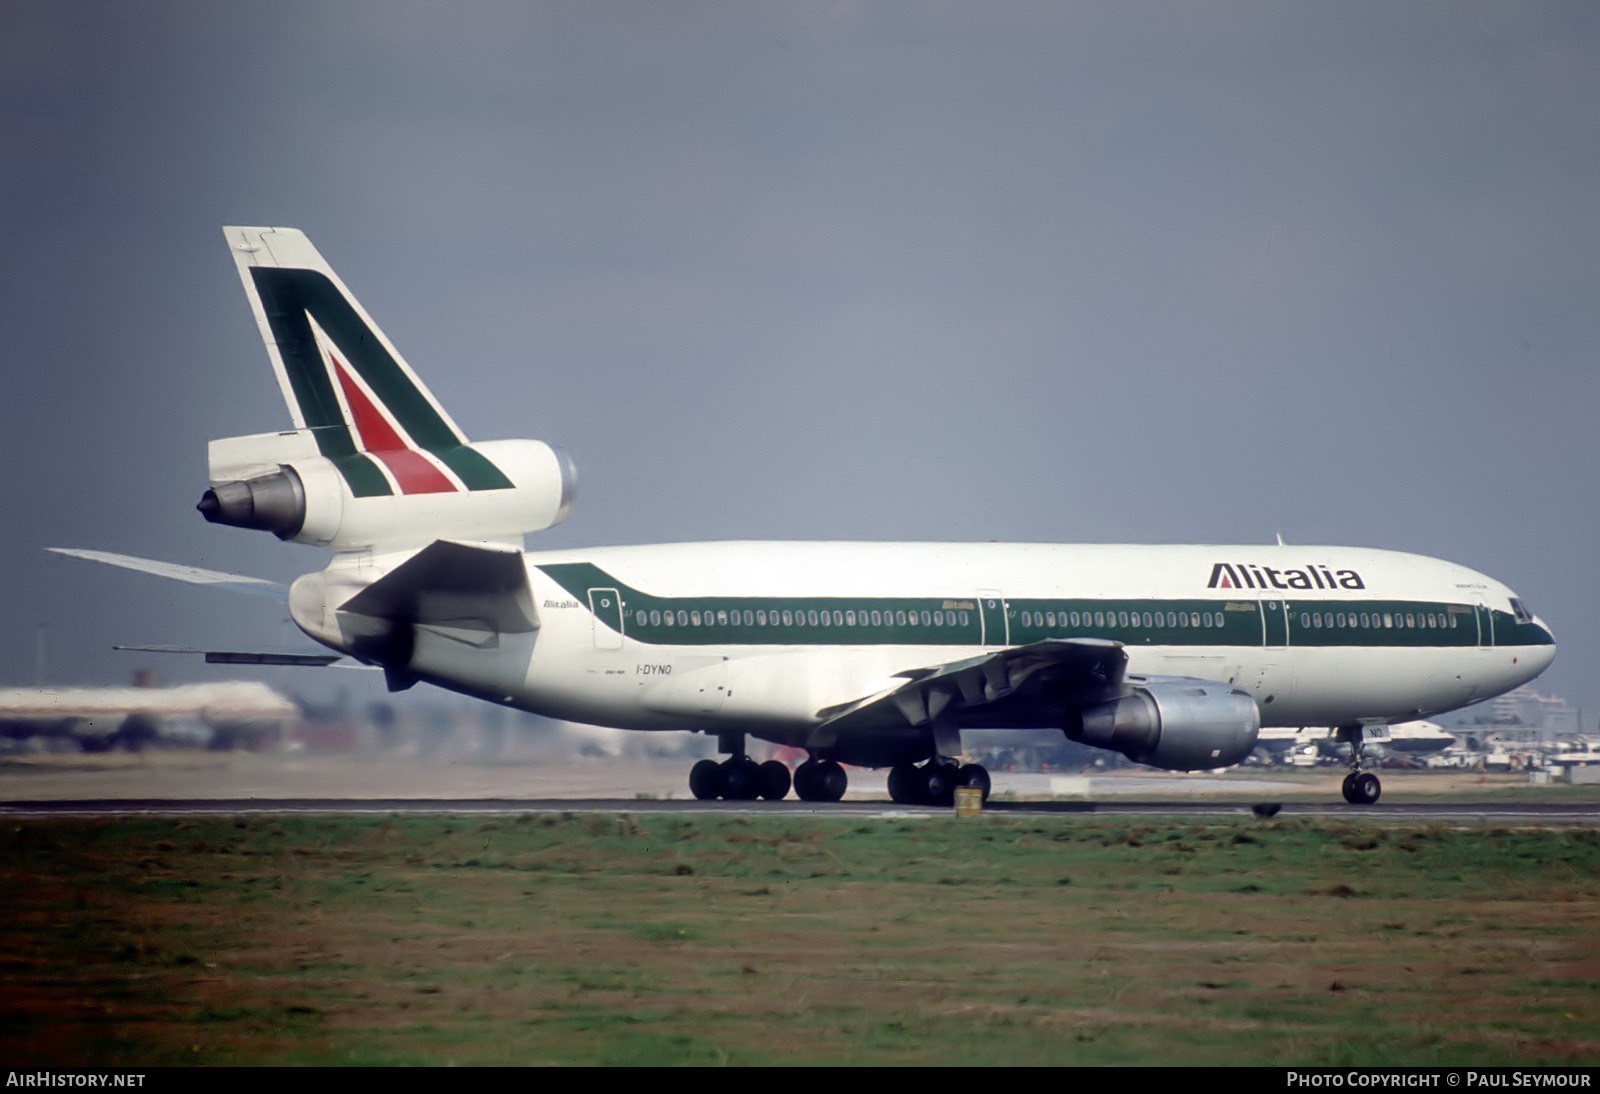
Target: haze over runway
point(896, 271)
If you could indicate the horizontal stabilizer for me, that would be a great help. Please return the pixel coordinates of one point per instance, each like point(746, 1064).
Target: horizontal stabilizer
point(456, 585)
point(194, 575)
point(246, 657)
point(306, 660)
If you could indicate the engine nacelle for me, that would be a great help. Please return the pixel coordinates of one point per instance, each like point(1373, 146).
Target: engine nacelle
point(280, 483)
point(1181, 725)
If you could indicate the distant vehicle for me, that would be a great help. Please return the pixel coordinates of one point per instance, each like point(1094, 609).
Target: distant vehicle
point(874, 654)
point(1588, 757)
point(101, 719)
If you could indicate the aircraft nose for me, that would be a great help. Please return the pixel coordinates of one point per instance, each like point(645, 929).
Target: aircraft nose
point(1538, 658)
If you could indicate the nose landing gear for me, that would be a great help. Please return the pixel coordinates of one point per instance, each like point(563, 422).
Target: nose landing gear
point(1360, 787)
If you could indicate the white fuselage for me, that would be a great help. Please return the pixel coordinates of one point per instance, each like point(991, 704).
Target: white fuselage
point(764, 637)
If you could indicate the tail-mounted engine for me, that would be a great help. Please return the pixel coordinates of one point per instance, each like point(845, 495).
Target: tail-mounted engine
point(281, 483)
point(1181, 725)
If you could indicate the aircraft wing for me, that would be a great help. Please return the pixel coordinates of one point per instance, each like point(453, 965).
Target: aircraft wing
point(1053, 673)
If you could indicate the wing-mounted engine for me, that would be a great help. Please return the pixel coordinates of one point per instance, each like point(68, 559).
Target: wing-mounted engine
point(282, 483)
point(1177, 724)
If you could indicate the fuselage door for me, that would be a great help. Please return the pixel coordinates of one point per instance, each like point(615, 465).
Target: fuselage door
point(606, 607)
point(1274, 624)
point(1485, 619)
point(992, 615)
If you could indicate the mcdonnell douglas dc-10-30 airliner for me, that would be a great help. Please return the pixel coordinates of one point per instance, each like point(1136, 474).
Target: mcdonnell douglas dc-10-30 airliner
point(871, 654)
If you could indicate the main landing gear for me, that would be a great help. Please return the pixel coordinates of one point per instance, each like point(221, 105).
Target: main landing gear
point(820, 781)
point(935, 782)
point(1360, 787)
point(740, 778)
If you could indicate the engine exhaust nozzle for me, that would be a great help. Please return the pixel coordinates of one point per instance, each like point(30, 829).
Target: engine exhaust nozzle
point(273, 503)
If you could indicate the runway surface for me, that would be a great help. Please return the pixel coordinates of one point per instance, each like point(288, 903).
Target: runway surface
point(195, 783)
point(1438, 812)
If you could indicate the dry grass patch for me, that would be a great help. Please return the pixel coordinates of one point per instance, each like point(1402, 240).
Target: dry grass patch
point(662, 939)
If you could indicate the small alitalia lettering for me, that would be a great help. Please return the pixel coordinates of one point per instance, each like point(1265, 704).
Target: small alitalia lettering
point(562, 604)
point(1245, 575)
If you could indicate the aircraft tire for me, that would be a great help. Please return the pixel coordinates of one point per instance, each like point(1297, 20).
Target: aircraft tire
point(774, 780)
point(974, 775)
point(805, 781)
point(831, 781)
point(939, 778)
point(741, 779)
point(905, 784)
point(705, 780)
point(1362, 788)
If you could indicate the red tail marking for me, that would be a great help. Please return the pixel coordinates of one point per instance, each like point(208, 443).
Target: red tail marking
point(410, 468)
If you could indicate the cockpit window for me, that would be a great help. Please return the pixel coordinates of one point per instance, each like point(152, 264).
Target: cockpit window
point(1523, 614)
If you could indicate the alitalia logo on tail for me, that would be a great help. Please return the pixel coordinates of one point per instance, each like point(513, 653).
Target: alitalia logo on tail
point(1245, 575)
point(371, 418)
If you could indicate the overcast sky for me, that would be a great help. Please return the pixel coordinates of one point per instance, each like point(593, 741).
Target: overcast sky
point(1187, 272)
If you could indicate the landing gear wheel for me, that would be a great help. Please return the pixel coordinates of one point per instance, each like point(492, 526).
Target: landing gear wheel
point(905, 784)
point(972, 775)
point(820, 781)
point(1361, 788)
point(831, 782)
point(741, 779)
point(774, 780)
point(805, 781)
point(939, 783)
point(705, 780)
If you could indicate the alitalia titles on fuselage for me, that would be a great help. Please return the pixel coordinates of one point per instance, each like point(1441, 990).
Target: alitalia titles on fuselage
point(1245, 575)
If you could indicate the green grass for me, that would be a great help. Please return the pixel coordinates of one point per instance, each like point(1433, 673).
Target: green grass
point(589, 939)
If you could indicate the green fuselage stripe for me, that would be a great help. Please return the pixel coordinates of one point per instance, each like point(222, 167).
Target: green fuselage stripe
point(955, 621)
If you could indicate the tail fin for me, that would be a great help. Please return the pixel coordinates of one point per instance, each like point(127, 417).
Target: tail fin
point(373, 459)
point(343, 379)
